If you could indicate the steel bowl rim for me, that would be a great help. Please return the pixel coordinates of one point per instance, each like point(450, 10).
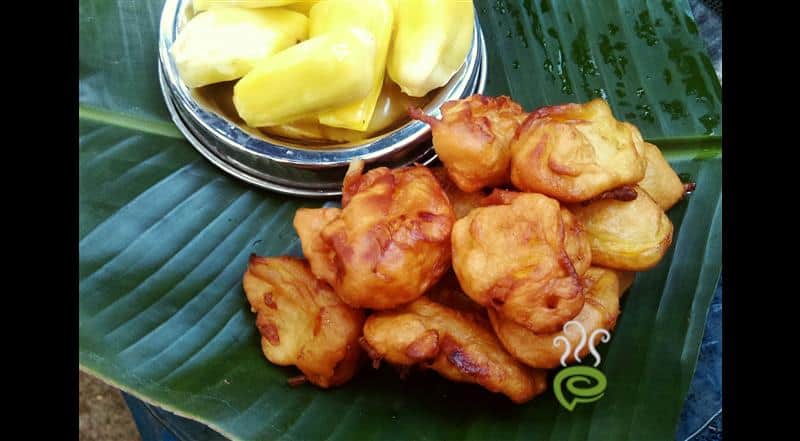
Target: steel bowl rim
point(229, 168)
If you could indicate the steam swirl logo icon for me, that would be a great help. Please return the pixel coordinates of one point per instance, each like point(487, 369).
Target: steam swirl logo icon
point(585, 384)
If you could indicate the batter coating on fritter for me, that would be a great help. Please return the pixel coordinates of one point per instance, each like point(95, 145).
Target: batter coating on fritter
point(448, 293)
point(523, 259)
point(472, 139)
point(301, 321)
point(461, 201)
point(388, 244)
point(660, 181)
point(458, 345)
point(575, 152)
point(628, 236)
point(599, 312)
point(626, 279)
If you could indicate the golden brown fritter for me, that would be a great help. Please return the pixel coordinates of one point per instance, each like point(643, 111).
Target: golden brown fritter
point(461, 201)
point(472, 139)
point(660, 180)
point(388, 244)
point(448, 292)
point(624, 193)
point(625, 280)
point(631, 236)
point(309, 223)
point(539, 350)
point(575, 152)
point(458, 345)
point(523, 259)
point(301, 321)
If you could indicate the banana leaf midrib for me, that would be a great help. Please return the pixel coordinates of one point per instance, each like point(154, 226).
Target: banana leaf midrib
point(136, 123)
point(673, 146)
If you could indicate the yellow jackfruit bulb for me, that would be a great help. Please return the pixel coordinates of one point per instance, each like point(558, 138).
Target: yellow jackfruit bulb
point(226, 43)
point(203, 5)
point(321, 73)
point(309, 129)
point(303, 6)
point(374, 16)
point(431, 42)
point(391, 107)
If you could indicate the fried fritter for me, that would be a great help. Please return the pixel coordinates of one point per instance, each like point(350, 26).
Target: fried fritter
point(498, 196)
point(458, 345)
point(539, 350)
point(301, 321)
point(461, 201)
point(625, 280)
point(660, 180)
point(630, 236)
point(523, 259)
point(388, 244)
point(448, 292)
point(472, 139)
point(575, 152)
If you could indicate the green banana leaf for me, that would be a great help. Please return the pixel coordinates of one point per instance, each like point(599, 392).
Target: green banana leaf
point(165, 236)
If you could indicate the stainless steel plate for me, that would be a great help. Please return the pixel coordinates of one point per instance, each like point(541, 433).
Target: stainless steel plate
point(294, 168)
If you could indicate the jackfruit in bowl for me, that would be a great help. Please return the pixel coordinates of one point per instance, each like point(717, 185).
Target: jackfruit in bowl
point(325, 71)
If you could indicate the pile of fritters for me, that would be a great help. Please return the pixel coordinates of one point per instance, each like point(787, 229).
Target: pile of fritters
point(472, 270)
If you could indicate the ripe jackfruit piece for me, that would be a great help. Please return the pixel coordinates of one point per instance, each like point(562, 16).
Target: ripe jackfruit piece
point(431, 42)
point(389, 110)
point(224, 44)
point(374, 16)
point(309, 129)
point(303, 6)
point(321, 73)
point(391, 107)
point(203, 5)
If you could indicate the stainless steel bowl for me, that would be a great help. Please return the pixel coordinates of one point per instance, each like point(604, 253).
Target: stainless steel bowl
point(292, 167)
